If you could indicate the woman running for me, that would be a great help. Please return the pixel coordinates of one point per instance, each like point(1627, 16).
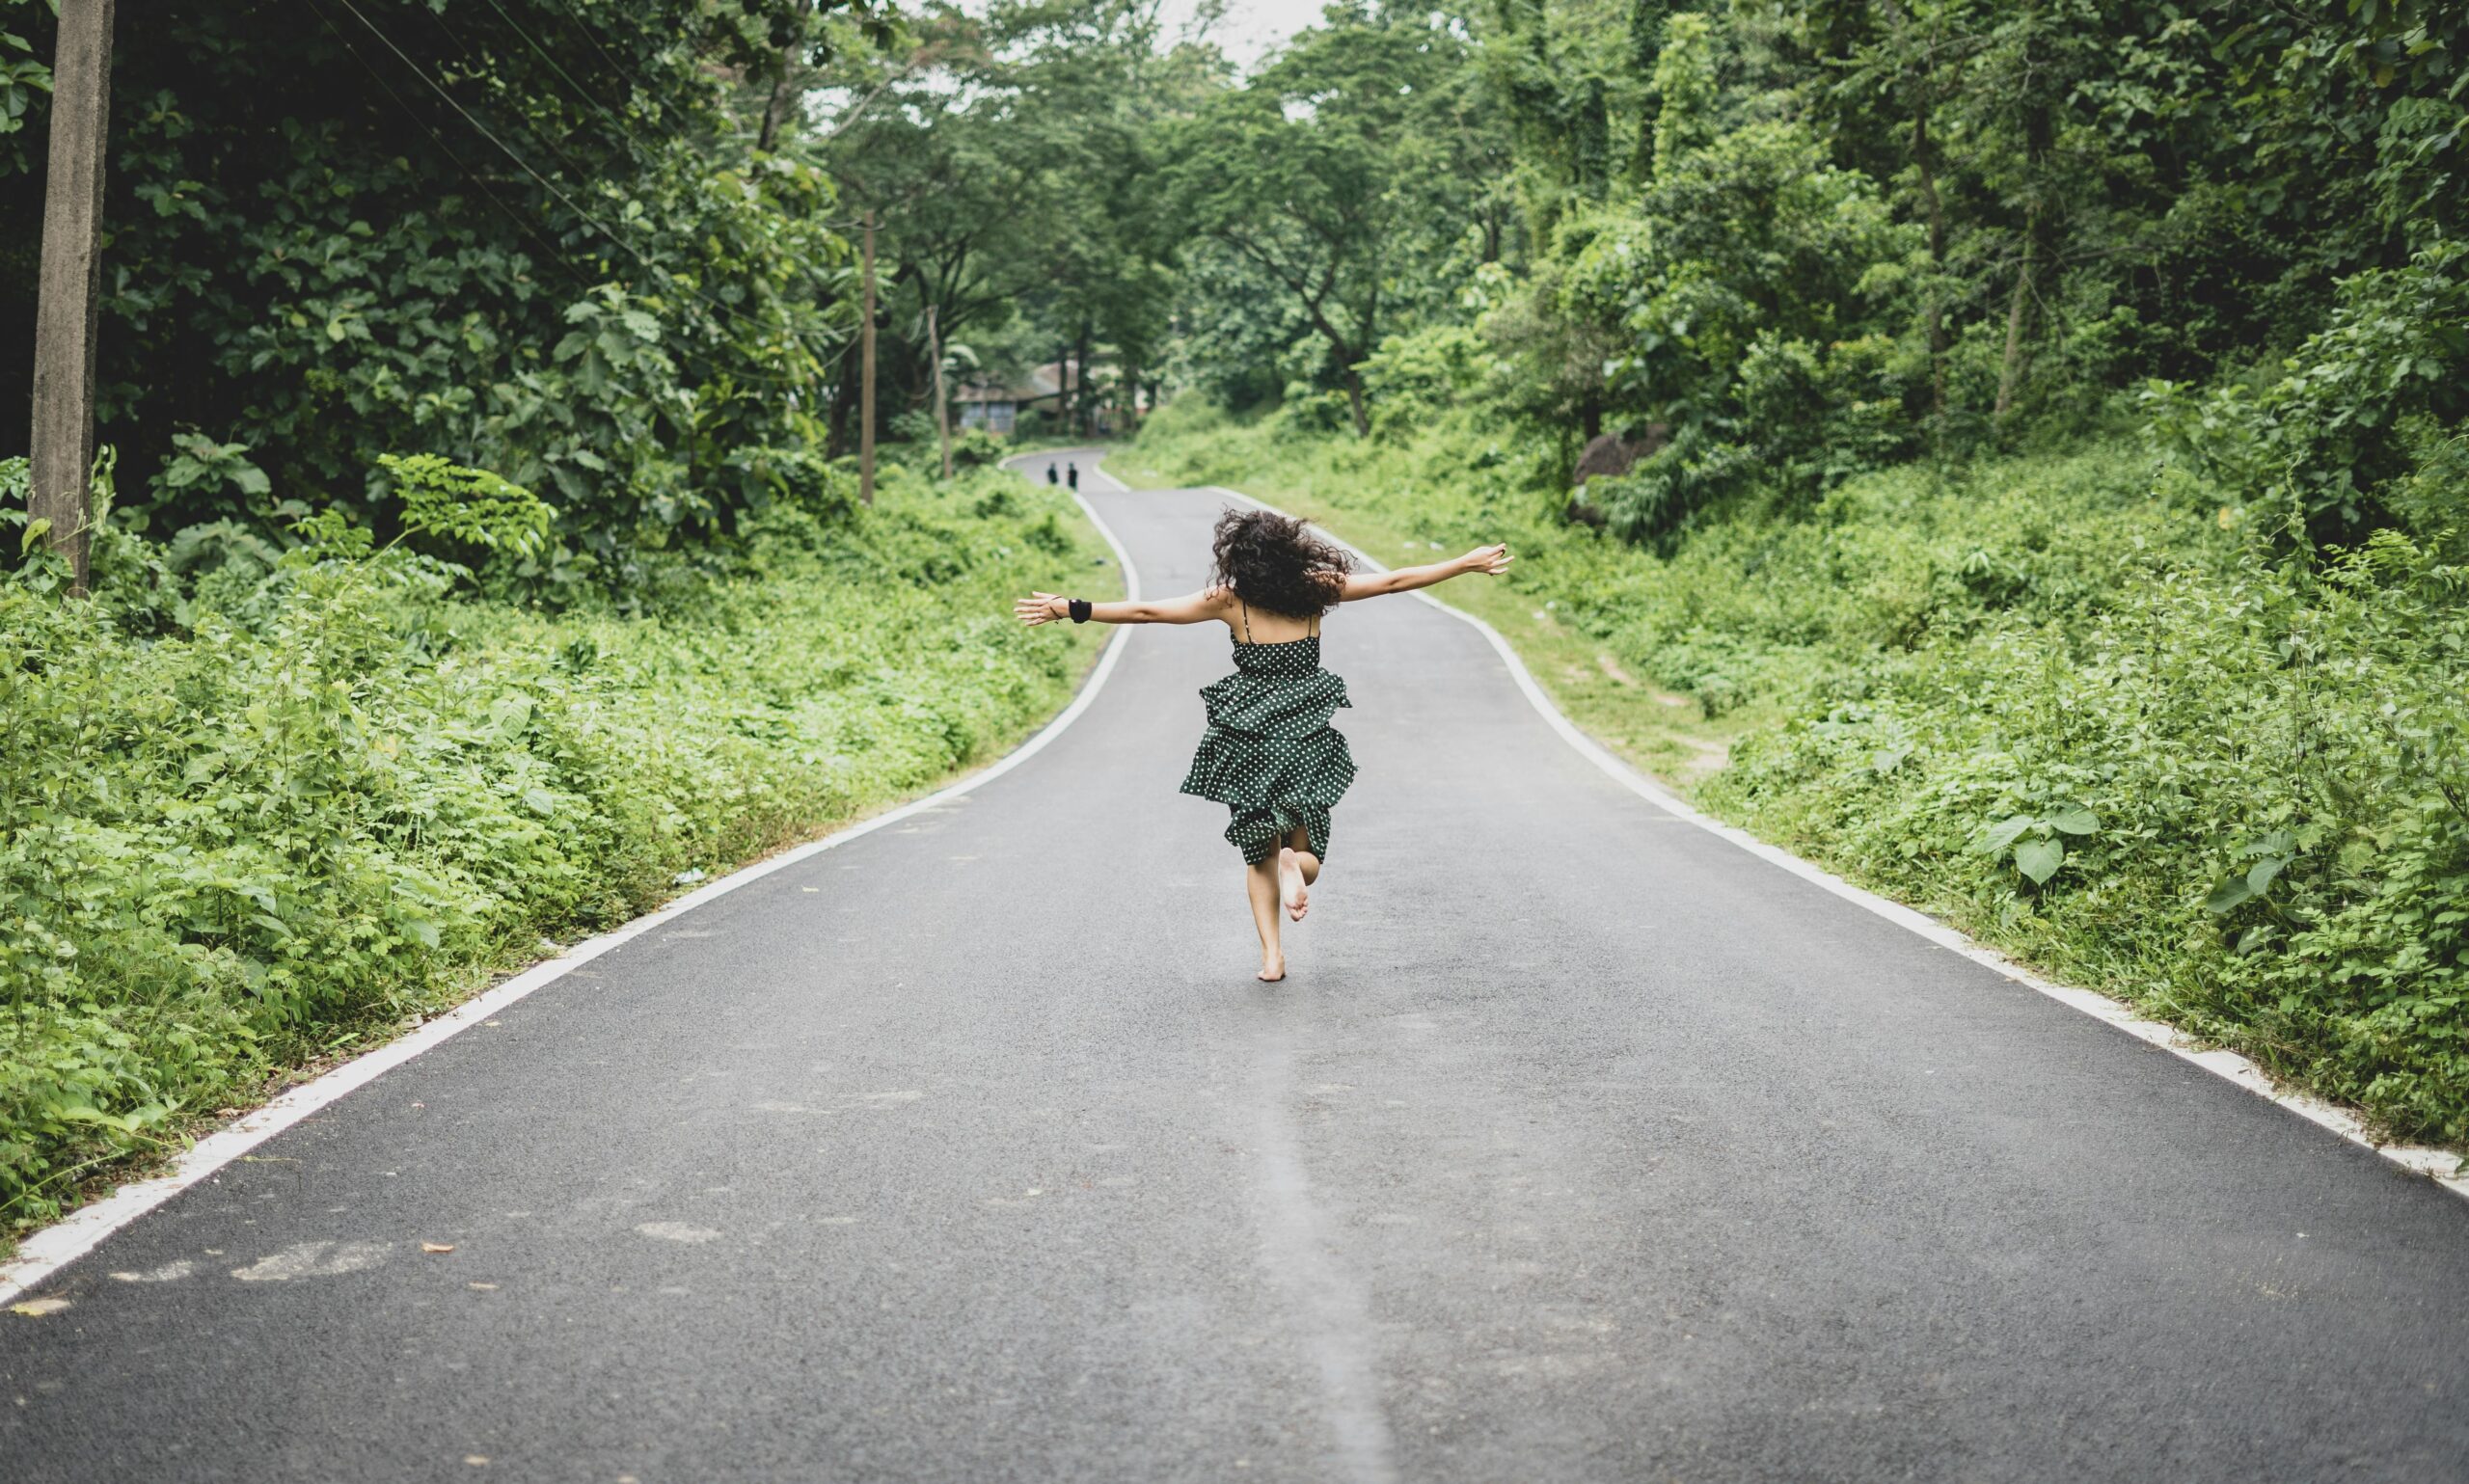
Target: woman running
point(1271, 754)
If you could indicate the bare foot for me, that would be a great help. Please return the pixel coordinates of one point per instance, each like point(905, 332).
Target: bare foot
point(1289, 877)
point(1272, 969)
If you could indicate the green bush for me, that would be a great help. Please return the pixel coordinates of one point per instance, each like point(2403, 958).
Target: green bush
point(337, 788)
point(468, 507)
point(976, 447)
point(2324, 451)
point(2260, 801)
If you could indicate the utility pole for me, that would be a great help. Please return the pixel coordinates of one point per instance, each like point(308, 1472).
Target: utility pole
point(866, 377)
point(63, 442)
point(943, 407)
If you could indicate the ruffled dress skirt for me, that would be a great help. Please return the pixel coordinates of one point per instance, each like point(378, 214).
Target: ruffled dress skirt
point(1271, 754)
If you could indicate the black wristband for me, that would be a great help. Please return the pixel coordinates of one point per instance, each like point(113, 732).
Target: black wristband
point(1080, 608)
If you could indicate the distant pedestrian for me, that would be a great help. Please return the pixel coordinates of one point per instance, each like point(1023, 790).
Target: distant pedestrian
point(1050, 472)
point(1269, 753)
point(1072, 475)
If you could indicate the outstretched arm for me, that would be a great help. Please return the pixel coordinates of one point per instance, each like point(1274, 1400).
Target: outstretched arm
point(1191, 609)
point(1490, 561)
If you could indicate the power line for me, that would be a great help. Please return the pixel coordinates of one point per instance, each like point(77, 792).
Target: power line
point(547, 184)
point(671, 135)
point(586, 96)
point(578, 169)
point(474, 66)
point(554, 254)
point(575, 18)
point(575, 87)
point(551, 253)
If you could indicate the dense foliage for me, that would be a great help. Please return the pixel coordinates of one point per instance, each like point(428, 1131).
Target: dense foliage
point(1008, 153)
point(345, 783)
point(1777, 242)
point(1326, 186)
point(537, 236)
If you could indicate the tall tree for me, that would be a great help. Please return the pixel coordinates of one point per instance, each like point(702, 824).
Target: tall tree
point(1008, 153)
point(63, 437)
point(1342, 174)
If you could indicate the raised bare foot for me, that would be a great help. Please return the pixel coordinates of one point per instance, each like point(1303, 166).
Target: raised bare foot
point(1290, 886)
point(1272, 969)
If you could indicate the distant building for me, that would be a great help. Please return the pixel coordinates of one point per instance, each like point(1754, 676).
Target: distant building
point(996, 406)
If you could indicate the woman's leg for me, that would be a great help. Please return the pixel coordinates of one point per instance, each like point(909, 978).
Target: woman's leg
point(1297, 869)
point(1261, 885)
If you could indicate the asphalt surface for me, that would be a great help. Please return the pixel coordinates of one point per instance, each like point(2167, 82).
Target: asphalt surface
point(1579, 1144)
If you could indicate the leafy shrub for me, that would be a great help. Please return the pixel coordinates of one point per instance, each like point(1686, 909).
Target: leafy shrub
point(2317, 449)
point(2273, 832)
point(1653, 502)
point(976, 449)
point(469, 507)
point(1411, 377)
point(202, 469)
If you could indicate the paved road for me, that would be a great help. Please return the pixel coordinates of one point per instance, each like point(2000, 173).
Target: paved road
point(1580, 1145)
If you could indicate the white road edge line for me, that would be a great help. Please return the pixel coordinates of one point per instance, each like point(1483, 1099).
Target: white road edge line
point(2445, 1169)
point(48, 1251)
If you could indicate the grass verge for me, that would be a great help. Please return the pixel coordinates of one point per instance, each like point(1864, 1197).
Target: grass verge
point(320, 801)
point(2061, 702)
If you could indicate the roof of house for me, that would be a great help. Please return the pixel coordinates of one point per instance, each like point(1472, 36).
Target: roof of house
point(1040, 384)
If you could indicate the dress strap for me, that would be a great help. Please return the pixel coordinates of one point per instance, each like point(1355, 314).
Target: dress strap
point(1247, 620)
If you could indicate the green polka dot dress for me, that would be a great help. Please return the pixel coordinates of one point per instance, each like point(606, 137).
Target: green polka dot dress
point(1271, 754)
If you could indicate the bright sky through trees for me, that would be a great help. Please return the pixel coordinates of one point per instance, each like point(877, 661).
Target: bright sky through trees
point(1249, 28)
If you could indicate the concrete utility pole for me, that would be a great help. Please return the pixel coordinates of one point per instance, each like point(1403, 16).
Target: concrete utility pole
point(63, 440)
point(943, 407)
point(866, 377)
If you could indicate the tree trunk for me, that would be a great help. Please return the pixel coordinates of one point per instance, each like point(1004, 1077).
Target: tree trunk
point(1080, 383)
point(1933, 312)
point(61, 444)
point(2037, 132)
point(1934, 317)
point(942, 407)
point(2010, 371)
point(771, 106)
point(1370, 341)
point(835, 440)
point(780, 89)
point(866, 375)
point(1063, 389)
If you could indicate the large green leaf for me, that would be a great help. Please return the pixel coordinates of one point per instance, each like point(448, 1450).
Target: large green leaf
point(2039, 859)
point(2231, 893)
point(2005, 834)
point(2073, 820)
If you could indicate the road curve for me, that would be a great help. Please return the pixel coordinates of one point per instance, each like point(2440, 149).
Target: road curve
point(1579, 1144)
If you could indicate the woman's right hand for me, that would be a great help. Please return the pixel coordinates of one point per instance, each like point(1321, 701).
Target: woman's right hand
point(1037, 608)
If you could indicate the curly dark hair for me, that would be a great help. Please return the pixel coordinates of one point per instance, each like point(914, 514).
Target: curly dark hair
point(1274, 563)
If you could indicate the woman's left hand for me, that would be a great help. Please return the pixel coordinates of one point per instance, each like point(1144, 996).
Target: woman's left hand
point(1489, 560)
point(1037, 608)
